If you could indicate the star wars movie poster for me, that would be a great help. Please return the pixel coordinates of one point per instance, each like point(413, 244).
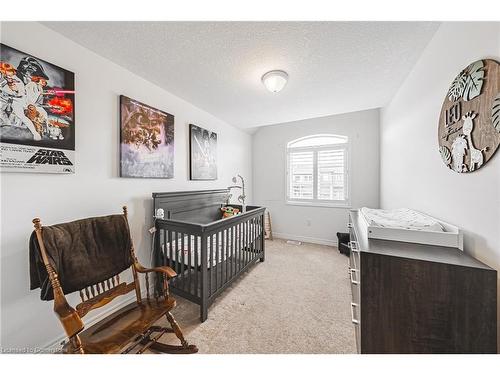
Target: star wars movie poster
point(203, 146)
point(147, 141)
point(37, 119)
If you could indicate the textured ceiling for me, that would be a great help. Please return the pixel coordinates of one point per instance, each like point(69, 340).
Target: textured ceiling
point(334, 67)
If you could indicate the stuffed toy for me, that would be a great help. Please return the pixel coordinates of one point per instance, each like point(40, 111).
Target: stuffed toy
point(229, 211)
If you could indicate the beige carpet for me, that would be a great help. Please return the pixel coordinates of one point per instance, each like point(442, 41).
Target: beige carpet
point(297, 301)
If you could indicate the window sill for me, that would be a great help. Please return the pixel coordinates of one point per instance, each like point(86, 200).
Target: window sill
point(319, 204)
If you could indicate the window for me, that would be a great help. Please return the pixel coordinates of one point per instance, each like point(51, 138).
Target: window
point(317, 172)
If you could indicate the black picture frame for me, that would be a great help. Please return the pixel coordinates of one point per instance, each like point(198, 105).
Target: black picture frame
point(202, 154)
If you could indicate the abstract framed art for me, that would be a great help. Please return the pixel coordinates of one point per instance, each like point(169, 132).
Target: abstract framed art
point(146, 141)
point(203, 153)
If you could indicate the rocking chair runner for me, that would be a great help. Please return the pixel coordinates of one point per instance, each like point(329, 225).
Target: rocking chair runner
point(130, 329)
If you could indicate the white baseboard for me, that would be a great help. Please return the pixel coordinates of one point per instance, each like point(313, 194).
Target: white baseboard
point(319, 241)
point(56, 343)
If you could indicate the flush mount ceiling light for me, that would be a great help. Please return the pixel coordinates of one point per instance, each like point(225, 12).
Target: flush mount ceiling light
point(275, 80)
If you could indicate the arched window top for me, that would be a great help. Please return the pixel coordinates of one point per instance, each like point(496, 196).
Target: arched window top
point(318, 140)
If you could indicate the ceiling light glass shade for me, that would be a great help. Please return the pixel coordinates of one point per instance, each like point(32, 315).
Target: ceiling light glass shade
point(275, 80)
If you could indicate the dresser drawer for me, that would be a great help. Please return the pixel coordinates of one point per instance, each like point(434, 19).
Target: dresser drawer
point(355, 289)
point(354, 251)
point(354, 261)
point(356, 320)
point(355, 283)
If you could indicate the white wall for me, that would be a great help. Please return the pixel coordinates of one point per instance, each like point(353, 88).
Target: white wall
point(269, 184)
point(412, 173)
point(95, 188)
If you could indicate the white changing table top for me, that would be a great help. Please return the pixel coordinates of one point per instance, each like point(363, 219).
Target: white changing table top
point(432, 253)
point(449, 236)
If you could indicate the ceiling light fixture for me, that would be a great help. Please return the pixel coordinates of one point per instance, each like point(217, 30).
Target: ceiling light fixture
point(275, 80)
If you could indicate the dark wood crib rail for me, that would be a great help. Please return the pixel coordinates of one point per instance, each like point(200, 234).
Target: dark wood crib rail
point(209, 257)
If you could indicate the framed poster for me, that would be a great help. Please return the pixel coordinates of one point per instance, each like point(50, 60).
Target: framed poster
point(37, 117)
point(203, 153)
point(146, 141)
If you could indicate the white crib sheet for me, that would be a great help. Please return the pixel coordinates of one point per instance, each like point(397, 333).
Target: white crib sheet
point(404, 218)
point(181, 254)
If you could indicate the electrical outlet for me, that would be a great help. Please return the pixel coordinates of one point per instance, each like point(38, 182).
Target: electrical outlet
point(308, 222)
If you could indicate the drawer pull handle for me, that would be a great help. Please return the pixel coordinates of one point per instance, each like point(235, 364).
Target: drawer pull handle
point(353, 305)
point(352, 265)
point(353, 245)
point(352, 261)
point(353, 271)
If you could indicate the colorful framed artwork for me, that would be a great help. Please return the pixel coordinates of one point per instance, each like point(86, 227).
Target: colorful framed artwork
point(203, 153)
point(37, 116)
point(146, 141)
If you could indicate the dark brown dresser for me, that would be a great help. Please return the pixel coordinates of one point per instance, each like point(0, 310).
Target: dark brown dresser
point(413, 298)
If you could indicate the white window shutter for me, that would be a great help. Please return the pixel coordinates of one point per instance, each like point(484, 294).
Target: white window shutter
point(301, 175)
point(332, 175)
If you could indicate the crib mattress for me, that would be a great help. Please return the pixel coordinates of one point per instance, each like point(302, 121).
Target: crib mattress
point(180, 251)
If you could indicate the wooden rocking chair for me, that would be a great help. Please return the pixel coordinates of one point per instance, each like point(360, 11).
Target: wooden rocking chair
point(130, 329)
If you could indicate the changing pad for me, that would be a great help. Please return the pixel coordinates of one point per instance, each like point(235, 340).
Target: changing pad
point(403, 218)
